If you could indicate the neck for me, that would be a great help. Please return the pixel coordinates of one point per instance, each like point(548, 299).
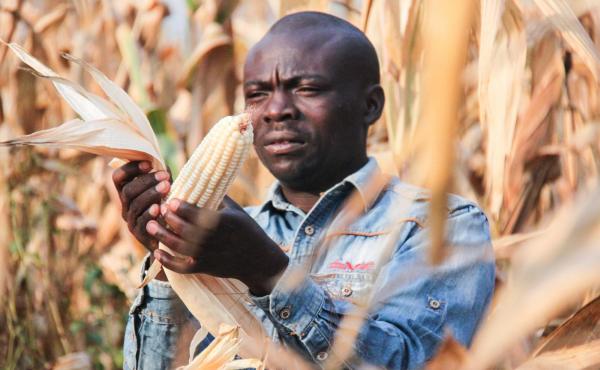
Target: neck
point(301, 199)
point(306, 197)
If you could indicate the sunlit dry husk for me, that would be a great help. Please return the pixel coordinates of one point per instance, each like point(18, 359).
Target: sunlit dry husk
point(212, 300)
point(220, 353)
point(47, 20)
point(106, 132)
point(213, 37)
point(103, 137)
point(580, 7)
point(564, 19)
point(138, 119)
point(443, 65)
point(532, 131)
point(582, 327)
point(505, 246)
point(556, 268)
point(584, 356)
point(364, 14)
point(502, 52)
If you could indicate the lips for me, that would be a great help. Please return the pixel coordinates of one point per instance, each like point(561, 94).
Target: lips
point(283, 143)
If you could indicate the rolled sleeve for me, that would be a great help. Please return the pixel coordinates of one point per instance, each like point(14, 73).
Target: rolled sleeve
point(158, 326)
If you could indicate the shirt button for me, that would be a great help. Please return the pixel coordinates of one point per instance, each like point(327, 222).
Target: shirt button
point(285, 313)
point(346, 291)
point(309, 230)
point(322, 356)
point(435, 304)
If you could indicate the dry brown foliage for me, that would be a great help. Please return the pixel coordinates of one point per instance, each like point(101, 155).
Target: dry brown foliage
point(511, 122)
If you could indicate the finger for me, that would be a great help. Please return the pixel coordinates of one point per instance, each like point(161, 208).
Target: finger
point(144, 201)
point(128, 171)
point(187, 231)
point(170, 239)
point(181, 265)
point(139, 229)
point(205, 218)
point(142, 183)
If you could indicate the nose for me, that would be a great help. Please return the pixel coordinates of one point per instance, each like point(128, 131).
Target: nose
point(280, 108)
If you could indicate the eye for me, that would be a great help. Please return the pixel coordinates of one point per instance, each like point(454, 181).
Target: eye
point(255, 94)
point(308, 90)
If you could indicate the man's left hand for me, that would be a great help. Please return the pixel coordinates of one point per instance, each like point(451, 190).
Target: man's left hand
point(226, 243)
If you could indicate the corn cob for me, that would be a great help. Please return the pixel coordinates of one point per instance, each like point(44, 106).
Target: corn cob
point(206, 176)
point(204, 181)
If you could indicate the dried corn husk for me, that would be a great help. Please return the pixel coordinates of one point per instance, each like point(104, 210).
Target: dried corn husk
point(123, 131)
point(220, 354)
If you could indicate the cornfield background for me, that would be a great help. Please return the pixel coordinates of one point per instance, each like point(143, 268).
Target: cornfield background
point(496, 100)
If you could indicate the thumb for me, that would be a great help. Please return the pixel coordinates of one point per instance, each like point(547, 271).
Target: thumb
point(231, 204)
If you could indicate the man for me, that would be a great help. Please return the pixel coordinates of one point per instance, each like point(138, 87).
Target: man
point(312, 84)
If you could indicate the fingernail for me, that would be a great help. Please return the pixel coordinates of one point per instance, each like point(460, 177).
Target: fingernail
point(162, 187)
point(151, 227)
point(154, 209)
point(157, 255)
point(144, 166)
point(163, 209)
point(174, 204)
point(161, 175)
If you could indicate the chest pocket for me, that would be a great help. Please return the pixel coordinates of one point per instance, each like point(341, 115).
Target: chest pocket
point(354, 287)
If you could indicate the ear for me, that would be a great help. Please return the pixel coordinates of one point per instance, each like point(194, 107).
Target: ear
point(375, 99)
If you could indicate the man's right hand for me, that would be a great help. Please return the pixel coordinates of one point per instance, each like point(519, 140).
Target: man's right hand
point(141, 193)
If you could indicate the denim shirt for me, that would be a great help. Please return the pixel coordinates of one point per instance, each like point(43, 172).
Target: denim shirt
point(378, 255)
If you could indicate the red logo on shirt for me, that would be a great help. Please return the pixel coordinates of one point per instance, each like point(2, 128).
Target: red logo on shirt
point(348, 266)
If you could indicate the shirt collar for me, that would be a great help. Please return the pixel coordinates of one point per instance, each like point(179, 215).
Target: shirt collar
point(368, 181)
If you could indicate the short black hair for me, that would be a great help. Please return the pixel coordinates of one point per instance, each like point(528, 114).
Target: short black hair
point(360, 47)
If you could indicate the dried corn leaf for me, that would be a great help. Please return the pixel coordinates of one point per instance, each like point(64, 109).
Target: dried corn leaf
point(584, 356)
point(102, 137)
point(213, 301)
point(80, 104)
point(104, 131)
point(561, 15)
point(557, 269)
point(442, 86)
point(502, 54)
point(122, 100)
point(220, 353)
point(582, 327)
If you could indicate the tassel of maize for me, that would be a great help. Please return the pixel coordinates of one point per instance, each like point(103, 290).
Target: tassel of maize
point(204, 181)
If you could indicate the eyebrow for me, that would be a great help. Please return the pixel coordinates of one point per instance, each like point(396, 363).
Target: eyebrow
point(315, 78)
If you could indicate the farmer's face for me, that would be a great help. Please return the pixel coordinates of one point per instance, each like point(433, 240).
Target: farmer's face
point(307, 108)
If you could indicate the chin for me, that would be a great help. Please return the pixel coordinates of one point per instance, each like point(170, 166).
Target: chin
point(289, 171)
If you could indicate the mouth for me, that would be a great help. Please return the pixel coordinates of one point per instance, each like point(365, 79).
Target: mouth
point(283, 144)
